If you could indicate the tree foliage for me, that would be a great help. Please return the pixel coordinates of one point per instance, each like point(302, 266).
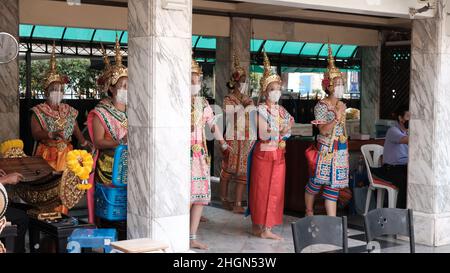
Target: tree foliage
point(82, 77)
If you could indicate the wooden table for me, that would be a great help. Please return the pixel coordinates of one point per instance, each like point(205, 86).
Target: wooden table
point(143, 245)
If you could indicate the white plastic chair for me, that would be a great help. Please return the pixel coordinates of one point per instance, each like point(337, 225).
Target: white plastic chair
point(373, 161)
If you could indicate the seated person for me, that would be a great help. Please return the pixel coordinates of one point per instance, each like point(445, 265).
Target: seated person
point(395, 156)
point(15, 216)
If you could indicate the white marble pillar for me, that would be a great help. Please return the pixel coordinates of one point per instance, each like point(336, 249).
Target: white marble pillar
point(159, 121)
point(9, 74)
point(370, 88)
point(429, 149)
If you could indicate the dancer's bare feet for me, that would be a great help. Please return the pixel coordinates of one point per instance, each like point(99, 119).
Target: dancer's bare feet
point(309, 212)
point(204, 219)
point(268, 234)
point(256, 231)
point(196, 244)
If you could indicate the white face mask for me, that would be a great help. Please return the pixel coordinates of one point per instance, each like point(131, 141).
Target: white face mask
point(339, 91)
point(244, 87)
point(274, 96)
point(121, 96)
point(55, 97)
point(195, 89)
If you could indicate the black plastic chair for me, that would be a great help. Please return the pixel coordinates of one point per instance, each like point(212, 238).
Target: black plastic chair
point(313, 230)
point(389, 221)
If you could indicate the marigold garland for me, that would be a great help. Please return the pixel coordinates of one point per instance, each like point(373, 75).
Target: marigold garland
point(11, 144)
point(80, 162)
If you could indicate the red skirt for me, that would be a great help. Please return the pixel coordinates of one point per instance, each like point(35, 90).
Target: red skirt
point(267, 182)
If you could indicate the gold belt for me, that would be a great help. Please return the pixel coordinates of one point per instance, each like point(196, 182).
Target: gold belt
point(281, 144)
point(59, 145)
point(197, 148)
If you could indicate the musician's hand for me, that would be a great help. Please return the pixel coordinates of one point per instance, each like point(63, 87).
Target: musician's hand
point(12, 178)
point(2, 173)
point(125, 139)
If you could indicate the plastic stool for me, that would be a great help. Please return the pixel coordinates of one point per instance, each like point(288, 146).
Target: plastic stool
point(91, 238)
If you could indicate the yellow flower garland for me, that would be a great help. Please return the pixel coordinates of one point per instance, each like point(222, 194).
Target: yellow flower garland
point(10, 144)
point(80, 162)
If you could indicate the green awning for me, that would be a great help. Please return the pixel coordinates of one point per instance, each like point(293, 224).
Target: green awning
point(302, 49)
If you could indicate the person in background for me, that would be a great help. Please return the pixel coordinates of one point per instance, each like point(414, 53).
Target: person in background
point(234, 164)
point(395, 155)
point(16, 216)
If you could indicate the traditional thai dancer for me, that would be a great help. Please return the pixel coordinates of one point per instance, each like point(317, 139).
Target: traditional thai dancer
point(238, 137)
point(201, 114)
point(53, 123)
point(108, 122)
point(268, 167)
point(331, 168)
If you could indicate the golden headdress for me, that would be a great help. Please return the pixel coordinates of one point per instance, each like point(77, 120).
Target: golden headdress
point(118, 70)
point(238, 71)
point(195, 67)
point(102, 81)
point(112, 73)
point(332, 71)
point(268, 76)
point(52, 74)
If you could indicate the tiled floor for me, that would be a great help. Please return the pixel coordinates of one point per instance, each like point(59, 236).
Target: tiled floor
point(226, 232)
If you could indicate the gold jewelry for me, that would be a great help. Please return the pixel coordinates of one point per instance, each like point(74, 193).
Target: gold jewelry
point(195, 67)
point(196, 148)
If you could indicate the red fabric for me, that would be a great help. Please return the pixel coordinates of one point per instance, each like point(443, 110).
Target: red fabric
point(378, 181)
point(311, 155)
point(267, 184)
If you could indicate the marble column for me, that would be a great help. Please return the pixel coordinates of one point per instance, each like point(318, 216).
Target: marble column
point(222, 76)
point(159, 120)
point(370, 88)
point(9, 74)
point(429, 149)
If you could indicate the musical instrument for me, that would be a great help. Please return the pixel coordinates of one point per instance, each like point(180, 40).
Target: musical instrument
point(40, 186)
point(3, 201)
